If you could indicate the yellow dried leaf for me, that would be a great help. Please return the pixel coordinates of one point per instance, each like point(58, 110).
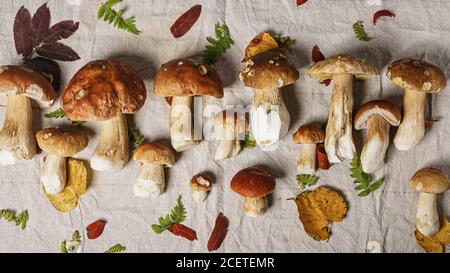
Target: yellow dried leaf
point(64, 201)
point(443, 235)
point(77, 175)
point(262, 42)
point(436, 243)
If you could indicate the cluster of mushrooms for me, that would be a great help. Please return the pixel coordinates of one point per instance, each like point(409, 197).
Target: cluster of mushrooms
point(106, 90)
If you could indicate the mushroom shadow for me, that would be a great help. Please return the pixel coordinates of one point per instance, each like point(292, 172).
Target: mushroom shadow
point(144, 67)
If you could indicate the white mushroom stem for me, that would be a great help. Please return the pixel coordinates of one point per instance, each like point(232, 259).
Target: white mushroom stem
point(53, 176)
point(150, 181)
point(199, 196)
point(255, 206)
point(227, 149)
point(427, 218)
point(307, 162)
point(376, 144)
point(112, 149)
point(181, 129)
point(339, 143)
point(412, 127)
point(17, 140)
point(269, 117)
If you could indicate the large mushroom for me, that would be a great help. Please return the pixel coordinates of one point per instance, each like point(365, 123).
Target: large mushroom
point(254, 184)
point(151, 179)
point(377, 117)
point(105, 91)
point(230, 128)
point(59, 143)
point(342, 69)
point(429, 182)
point(267, 72)
point(182, 79)
point(18, 85)
point(308, 136)
point(417, 78)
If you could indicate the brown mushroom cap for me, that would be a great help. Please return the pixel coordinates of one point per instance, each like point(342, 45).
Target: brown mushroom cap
point(154, 153)
point(183, 77)
point(308, 134)
point(268, 69)
point(340, 65)
point(253, 182)
point(430, 180)
point(102, 89)
point(416, 75)
point(388, 111)
point(201, 182)
point(18, 80)
point(62, 141)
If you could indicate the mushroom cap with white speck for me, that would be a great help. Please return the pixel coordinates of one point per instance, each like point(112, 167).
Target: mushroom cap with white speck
point(154, 153)
point(62, 141)
point(430, 180)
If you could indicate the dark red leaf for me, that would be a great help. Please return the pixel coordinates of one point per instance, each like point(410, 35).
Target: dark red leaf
point(61, 30)
point(57, 51)
point(430, 122)
point(301, 2)
point(47, 68)
point(168, 100)
point(95, 229)
point(183, 231)
point(219, 232)
point(322, 158)
point(41, 22)
point(381, 13)
point(23, 33)
point(184, 23)
point(327, 82)
point(316, 55)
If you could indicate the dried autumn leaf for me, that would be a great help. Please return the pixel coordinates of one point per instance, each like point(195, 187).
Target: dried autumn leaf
point(443, 235)
point(322, 158)
point(23, 33)
point(64, 201)
point(95, 229)
point(219, 232)
point(262, 42)
point(185, 22)
point(381, 13)
point(61, 30)
point(40, 23)
point(316, 55)
point(436, 243)
point(58, 51)
point(301, 2)
point(183, 231)
point(168, 100)
point(430, 122)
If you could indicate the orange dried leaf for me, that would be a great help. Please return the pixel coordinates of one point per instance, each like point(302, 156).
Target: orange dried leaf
point(262, 42)
point(436, 243)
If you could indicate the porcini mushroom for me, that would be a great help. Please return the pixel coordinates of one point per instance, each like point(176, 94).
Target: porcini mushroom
point(266, 73)
point(200, 184)
point(254, 184)
point(182, 79)
point(377, 117)
point(59, 143)
point(19, 85)
point(229, 127)
point(105, 91)
point(429, 182)
point(308, 136)
point(417, 78)
point(342, 69)
point(151, 179)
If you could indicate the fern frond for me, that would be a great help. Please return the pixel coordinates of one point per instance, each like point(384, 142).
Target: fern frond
point(108, 14)
point(360, 32)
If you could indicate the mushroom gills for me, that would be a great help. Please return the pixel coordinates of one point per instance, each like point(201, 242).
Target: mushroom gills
point(54, 174)
point(17, 140)
point(427, 218)
point(227, 149)
point(307, 161)
point(255, 206)
point(375, 145)
point(181, 129)
point(112, 149)
point(150, 181)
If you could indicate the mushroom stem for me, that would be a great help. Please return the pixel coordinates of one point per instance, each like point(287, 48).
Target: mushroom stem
point(427, 219)
point(54, 174)
point(150, 181)
point(269, 117)
point(412, 127)
point(227, 149)
point(307, 161)
point(339, 143)
point(181, 129)
point(199, 196)
point(255, 206)
point(376, 144)
point(112, 149)
point(17, 140)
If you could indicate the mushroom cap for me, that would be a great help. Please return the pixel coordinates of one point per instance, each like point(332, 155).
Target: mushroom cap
point(308, 134)
point(62, 141)
point(201, 182)
point(430, 180)
point(268, 69)
point(340, 65)
point(102, 89)
point(387, 110)
point(227, 119)
point(253, 182)
point(19, 80)
point(416, 75)
point(183, 77)
point(154, 153)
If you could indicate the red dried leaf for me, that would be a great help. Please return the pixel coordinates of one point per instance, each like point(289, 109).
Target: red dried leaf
point(95, 229)
point(430, 122)
point(23, 33)
point(61, 30)
point(168, 100)
point(381, 13)
point(322, 158)
point(316, 55)
point(327, 82)
point(301, 2)
point(57, 51)
point(183, 231)
point(41, 22)
point(184, 23)
point(47, 68)
point(219, 232)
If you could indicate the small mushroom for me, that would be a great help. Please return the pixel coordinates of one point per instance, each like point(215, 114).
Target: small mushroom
point(182, 79)
point(200, 184)
point(151, 179)
point(59, 143)
point(308, 136)
point(342, 69)
point(417, 78)
point(229, 127)
point(429, 182)
point(254, 184)
point(377, 117)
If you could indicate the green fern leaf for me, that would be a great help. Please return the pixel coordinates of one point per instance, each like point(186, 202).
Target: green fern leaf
point(360, 32)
